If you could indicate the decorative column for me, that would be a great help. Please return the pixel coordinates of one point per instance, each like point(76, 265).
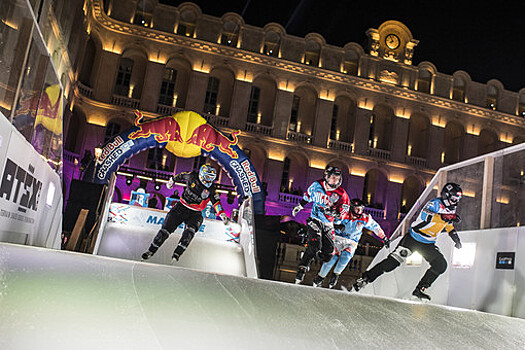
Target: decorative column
point(152, 84)
point(105, 77)
point(323, 121)
point(283, 108)
point(399, 140)
point(362, 129)
point(197, 91)
point(240, 102)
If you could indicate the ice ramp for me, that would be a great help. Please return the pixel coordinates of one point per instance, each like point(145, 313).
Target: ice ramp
point(63, 300)
point(128, 231)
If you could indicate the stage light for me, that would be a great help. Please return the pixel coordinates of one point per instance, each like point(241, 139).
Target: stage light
point(157, 186)
point(129, 180)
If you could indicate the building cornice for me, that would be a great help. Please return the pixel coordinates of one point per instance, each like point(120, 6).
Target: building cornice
point(108, 23)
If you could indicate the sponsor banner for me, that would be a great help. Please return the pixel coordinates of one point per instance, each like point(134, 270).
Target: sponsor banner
point(186, 134)
point(21, 187)
point(151, 218)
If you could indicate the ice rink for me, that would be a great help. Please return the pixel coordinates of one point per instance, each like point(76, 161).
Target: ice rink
point(62, 300)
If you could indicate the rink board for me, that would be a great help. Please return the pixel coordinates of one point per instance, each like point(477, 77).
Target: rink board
point(64, 300)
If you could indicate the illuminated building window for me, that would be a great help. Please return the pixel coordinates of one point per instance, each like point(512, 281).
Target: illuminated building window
point(295, 113)
point(210, 101)
point(253, 105)
point(167, 88)
point(122, 83)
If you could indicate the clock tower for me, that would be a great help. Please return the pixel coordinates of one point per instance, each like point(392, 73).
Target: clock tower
point(392, 41)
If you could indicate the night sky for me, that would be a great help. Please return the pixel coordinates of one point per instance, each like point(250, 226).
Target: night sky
point(485, 39)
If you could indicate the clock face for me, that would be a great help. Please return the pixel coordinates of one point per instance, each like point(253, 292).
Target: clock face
point(392, 41)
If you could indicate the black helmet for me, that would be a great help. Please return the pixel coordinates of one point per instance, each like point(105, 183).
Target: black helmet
point(451, 194)
point(333, 170)
point(356, 207)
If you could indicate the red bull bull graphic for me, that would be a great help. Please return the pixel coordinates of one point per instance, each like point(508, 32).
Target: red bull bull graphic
point(185, 134)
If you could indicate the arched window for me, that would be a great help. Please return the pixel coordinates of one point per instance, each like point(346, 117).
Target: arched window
point(487, 142)
point(230, 33)
point(418, 136)
point(187, 23)
point(492, 97)
point(112, 129)
point(304, 105)
point(253, 105)
point(285, 178)
point(266, 100)
point(272, 41)
point(312, 53)
point(381, 128)
point(410, 191)
point(458, 92)
point(351, 62)
point(143, 13)
point(167, 88)
point(424, 81)
point(122, 84)
point(374, 189)
point(521, 106)
point(454, 135)
point(210, 100)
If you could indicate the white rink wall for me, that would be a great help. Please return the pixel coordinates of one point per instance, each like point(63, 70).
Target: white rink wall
point(479, 287)
point(30, 195)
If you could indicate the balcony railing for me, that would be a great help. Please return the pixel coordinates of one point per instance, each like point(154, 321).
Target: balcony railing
point(290, 198)
point(69, 157)
point(85, 90)
point(341, 146)
point(299, 137)
point(168, 110)
point(124, 101)
point(376, 214)
point(379, 153)
point(417, 161)
point(259, 129)
point(216, 120)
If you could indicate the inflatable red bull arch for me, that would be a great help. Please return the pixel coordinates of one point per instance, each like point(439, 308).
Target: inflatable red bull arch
point(186, 134)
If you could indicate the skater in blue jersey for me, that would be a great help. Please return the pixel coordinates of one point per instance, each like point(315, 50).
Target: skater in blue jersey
point(329, 201)
point(437, 216)
point(347, 234)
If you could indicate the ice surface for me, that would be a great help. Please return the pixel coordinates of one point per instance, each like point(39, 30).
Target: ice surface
point(63, 300)
point(128, 242)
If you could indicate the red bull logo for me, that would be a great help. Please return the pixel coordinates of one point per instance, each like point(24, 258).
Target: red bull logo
point(186, 134)
point(165, 129)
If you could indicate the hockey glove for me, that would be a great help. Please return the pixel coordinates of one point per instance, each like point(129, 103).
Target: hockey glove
point(339, 227)
point(170, 183)
point(225, 219)
point(454, 235)
point(451, 218)
point(386, 242)
point(297, 209)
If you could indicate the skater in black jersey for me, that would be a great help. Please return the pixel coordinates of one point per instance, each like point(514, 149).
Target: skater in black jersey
point(437, 216)
point(198, 192)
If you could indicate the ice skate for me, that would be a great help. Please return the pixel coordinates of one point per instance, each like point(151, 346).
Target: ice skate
point(333, 281)
point(419, 294)
point(360, 283)
point(318, 281)
point(301, 271)
point(148, 254)
point(175, 257)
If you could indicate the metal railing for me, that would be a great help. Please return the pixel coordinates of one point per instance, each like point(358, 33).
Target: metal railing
point(259, 129)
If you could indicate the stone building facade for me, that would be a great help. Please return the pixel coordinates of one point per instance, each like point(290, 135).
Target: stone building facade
point(300, 102)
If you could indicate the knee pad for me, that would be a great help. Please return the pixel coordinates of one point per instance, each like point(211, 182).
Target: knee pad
point(314, 243)
point(438, 266)
point(161, 236)
point(187, 236)
point(400, 254)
